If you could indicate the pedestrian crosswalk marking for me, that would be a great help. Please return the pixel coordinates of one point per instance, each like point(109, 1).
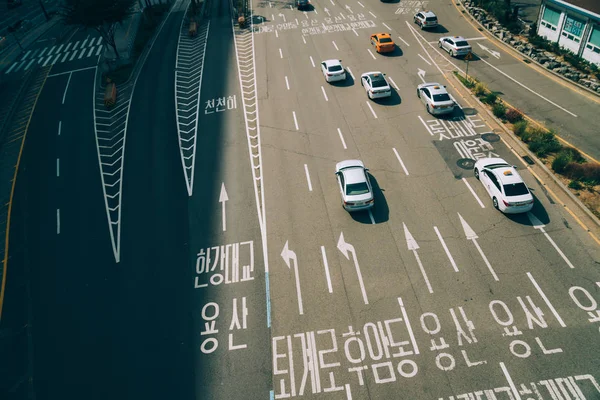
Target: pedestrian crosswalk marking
point(76, 44)
point(29, 65)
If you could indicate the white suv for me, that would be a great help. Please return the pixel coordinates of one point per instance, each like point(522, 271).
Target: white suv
point(426, 19)
point(455, 45)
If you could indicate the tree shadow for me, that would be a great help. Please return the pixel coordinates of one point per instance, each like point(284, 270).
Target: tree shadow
point(380, 210)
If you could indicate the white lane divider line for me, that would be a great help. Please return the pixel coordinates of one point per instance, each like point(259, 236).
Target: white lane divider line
point(58, 221)
point(473, 193)
point(425, 125)
point(342, 138)
point(371, 216)
point(371, 108)
point(332, 3)
point(280, 54)
point(58, 167)
point(315, 10)
point(66, 88)
point(303, 39)
point(374, 16)
point(400, 160)
point(411, 333)
point(324, 94)
point(350, 72)
point(424, 59)
point(297, 23)
point(276, 33)
point(287, 83)
point(546, 300)
point(295, 120)
point(59, 127)
point(354, 30)
point(386, 25)
point(272, 17)
point(312, 61)
point(405, 42)
point(511, 384)
point(308, 178)
point(537, 224)
point(348, 392)
point(371, 53)
point(393, 83)
point(335, 45)
point(439, 235)
point(360, 4)
point(326, 265)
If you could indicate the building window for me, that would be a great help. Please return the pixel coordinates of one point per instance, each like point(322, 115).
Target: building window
point(594, 41)
point(551, 18)
point(574, 26)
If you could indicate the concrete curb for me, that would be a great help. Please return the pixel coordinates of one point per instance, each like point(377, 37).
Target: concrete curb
point(509, 47)
point(523, 147)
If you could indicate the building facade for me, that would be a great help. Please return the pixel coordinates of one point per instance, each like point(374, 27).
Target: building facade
point(574, 24)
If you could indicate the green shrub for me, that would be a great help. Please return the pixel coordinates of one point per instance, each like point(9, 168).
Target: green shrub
point(513, 115)
point(560, 163)
point(575, 185)
point(573, 154)
point(542, 142)
point(490, 98)
point(499, 110)
point(480, 89)
point(587, 172)
point(519, 128)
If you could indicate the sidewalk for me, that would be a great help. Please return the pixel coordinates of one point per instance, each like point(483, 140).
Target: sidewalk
point(555, 189)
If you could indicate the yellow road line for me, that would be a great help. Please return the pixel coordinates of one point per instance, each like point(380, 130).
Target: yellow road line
point(10, 201)
point(510, 51)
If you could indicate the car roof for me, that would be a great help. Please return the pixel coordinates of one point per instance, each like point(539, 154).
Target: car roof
point(383, 35)
point(332, 62)
point(354, 175)
point(374, 74)
point(427, 13)
point(505, 172)
point(455, 38)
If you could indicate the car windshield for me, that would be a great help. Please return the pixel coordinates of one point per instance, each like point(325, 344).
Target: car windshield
point(431, 19)
point(334, 68)
point(515, 189)
point(385, 40)
point(441, 97)
point(462, 43)
point(354, 189)
point(379, 82)
point(494, 166)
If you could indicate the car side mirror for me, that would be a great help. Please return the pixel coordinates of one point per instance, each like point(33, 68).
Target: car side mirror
point(514, 166)
point(366, 169)
point(340, 60)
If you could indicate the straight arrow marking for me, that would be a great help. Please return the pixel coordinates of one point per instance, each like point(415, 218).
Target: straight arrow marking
point(413, 246)
point(471, 235)
point(222, 199)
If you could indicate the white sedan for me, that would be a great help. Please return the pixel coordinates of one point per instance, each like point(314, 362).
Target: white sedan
point(333, 70)
point(355, 186)
point(376, 85)
point(504, 185)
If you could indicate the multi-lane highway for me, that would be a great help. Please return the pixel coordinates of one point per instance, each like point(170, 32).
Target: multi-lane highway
point(191, 243)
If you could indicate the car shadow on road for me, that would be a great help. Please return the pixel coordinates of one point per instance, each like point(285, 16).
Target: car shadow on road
point(380, 211)
point(393, 100)
point(396, 53)
point(538, 211)
point(438, 29)
point(390, 1)
point(349, 81)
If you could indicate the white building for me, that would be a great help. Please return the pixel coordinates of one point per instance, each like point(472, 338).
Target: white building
point(574, 24)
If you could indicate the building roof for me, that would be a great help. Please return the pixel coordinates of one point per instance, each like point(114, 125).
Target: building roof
point(589, 5)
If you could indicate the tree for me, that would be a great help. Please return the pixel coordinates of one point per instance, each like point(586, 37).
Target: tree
point(100, 15)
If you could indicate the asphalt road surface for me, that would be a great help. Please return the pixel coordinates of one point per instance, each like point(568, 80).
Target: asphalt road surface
point(239, 274)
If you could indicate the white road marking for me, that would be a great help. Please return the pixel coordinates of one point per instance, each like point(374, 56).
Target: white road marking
point(280, 54)
point(472, 236)
point(28, 65)
point(27, 54)
point(405, 42)
point(11, 68)
point(315, 10)
point(308, 178)
point(371, 53)
point(342, 138)
point(223, 198)
point(425, 125)
point(411, 333)
point(529, 89)
point(324, 94)
point(57, 167)
point(270, 5)
point(76, 44)
point(332, 3)
point(55, 58)
point(346, 248)
point(58, 221)
point(295, 120)
point(273, 17)
point(43, 51)
point(51, 50)
point(90, 52)
point(287, 83)
point(70, 72)
point(371, 108)
point(371, 216)
point(276, 33)
point(312, 62)
point(400, 160)
point(424, 59)
point(510, 382)
point(59, 127)
point(350, 72)
point(386, 25)
point(354, 30)
point(45, 62)
point(290, 256)
point(348, 392)
point(326, 269)
point(473, 193)
point(99, 50)
point(537, 224)
point(475, 38)
point(360, 4)
point(304, 40)
point(335, 45)
point(413, 246)
point(85, 41)
point(66, 88)
point(393, 83)
point(99, 40)
point(91, 42)
point(374, 16)
point(297, 23)
point(69, 46)
point(550, 306)
point(73, 56)
point(437, 232)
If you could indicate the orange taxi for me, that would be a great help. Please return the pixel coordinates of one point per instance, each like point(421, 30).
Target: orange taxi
point(383, 42)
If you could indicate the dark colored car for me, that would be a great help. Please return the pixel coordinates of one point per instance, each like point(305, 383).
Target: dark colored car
point(302, 4)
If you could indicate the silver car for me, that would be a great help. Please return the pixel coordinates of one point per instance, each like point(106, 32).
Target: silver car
point(333, 70)
point(436, 98)
point(376, 85)
point(355, 186)
point(426, 19)
point(455, 45)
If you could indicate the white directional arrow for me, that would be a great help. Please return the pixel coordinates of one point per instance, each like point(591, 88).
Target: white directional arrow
point(349, 9)
point(287, 256)
point(282, 16)
point(222, 199)
point(471, 235)
point(492, 52)
point(327, 11)
point(346, 248)
point(413, 246)
point(537, 224)
point(421, 74)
